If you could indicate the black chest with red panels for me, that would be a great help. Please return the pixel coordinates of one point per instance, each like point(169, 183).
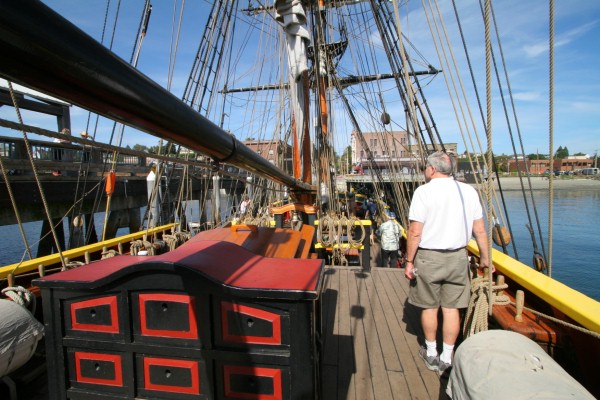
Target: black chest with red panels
point(210, 320)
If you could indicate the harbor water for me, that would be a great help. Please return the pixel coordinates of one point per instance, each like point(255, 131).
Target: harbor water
point(575, 238)
point(576, 247)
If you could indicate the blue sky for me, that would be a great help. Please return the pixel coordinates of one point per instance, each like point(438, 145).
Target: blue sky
point(523, 28)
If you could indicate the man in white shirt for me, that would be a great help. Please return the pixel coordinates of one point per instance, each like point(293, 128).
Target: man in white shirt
point(443, 215)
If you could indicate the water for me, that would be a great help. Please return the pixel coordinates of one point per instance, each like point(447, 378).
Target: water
point(14, 249)
point(576, 247)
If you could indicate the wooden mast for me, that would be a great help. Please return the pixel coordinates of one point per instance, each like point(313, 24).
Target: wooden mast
point(321, 70)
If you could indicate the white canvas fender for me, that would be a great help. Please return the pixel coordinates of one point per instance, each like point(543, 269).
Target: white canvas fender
point(20, 333)
point(499, 364)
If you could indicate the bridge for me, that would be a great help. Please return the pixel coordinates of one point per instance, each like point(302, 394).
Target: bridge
point(72, 177)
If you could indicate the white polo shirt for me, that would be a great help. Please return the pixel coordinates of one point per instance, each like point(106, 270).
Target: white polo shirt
point(447, 209)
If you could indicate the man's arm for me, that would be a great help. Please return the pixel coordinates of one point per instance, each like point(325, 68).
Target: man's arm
point(482, 242)
point(412, 245)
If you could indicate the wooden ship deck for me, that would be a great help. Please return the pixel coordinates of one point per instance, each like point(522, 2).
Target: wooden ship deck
point(370, 343)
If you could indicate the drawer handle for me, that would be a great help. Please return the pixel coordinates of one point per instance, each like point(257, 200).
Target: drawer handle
point(252, 228)
point(250, 322)
point(167, 373)
point(93, 313)
point(165, 307)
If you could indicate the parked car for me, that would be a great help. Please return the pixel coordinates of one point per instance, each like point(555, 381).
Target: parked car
point(590, 171)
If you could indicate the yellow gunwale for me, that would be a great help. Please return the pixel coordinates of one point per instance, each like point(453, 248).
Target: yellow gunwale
point(576, 305)
point(54, 259)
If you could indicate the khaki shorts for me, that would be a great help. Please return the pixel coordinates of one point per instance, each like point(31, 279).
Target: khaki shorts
point(442, 279)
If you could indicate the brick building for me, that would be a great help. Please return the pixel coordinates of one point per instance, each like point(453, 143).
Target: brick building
point(388, 146)
point(275, 151)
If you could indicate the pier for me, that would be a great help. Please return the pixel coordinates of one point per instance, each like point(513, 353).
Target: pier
point(72, 177)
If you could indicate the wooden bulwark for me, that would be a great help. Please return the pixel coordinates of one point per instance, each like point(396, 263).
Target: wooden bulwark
point(576, 305)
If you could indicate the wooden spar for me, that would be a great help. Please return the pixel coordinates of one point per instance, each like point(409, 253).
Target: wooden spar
point(306, 145)
point(322, 85)
point(295, 149)
point(43, 50)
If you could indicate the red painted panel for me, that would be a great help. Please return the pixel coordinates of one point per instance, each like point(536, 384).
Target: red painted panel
point(192, 366)
point(275, 374)
point(169, 298)
point(110, 301)
point(113, 358)
point(274, 319)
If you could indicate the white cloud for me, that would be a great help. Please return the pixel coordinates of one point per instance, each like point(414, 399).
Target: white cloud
point(527, 96)
point(560, 40)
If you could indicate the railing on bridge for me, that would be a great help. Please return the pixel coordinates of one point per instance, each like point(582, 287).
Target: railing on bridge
point(63, 156)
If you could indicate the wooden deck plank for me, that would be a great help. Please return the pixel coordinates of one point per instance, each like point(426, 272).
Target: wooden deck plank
point(346, 358)
point(382, 317)
point(330, 323)
point(363, 384)
point(377, 336)
point(371, 342)
point(421, 382)
point(400, 389)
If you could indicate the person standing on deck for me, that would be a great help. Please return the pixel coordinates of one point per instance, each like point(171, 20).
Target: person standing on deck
point(58, 152)
point(443, 215)
point(371, 210)
point(389, 235)
point(244, 205)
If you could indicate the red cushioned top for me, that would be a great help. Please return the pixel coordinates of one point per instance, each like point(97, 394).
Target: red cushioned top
point(224, 262)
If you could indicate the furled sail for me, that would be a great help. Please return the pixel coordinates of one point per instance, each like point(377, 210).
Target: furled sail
point(290, 13)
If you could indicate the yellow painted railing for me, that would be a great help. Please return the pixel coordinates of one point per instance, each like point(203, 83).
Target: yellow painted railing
point(576, 305)
point(54, 259)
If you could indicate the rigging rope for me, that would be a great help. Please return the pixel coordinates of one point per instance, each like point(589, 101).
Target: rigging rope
point(36, 176)
point(551, 134)
point(488, 58)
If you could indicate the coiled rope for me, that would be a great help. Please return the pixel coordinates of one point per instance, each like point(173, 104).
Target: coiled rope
point(476, 319)
point(139, 245)
point(72, 265)
point(21, 296)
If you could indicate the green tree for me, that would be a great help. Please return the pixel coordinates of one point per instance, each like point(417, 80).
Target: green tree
point(561, 153)
point(344, 162)
point(536, 156)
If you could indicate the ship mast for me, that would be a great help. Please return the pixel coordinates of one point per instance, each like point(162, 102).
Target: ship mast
point(321, 69)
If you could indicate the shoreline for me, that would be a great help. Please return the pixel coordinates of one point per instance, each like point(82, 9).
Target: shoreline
point(542, 183)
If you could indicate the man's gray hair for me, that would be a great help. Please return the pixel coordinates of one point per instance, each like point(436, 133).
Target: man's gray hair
point(443, 162)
